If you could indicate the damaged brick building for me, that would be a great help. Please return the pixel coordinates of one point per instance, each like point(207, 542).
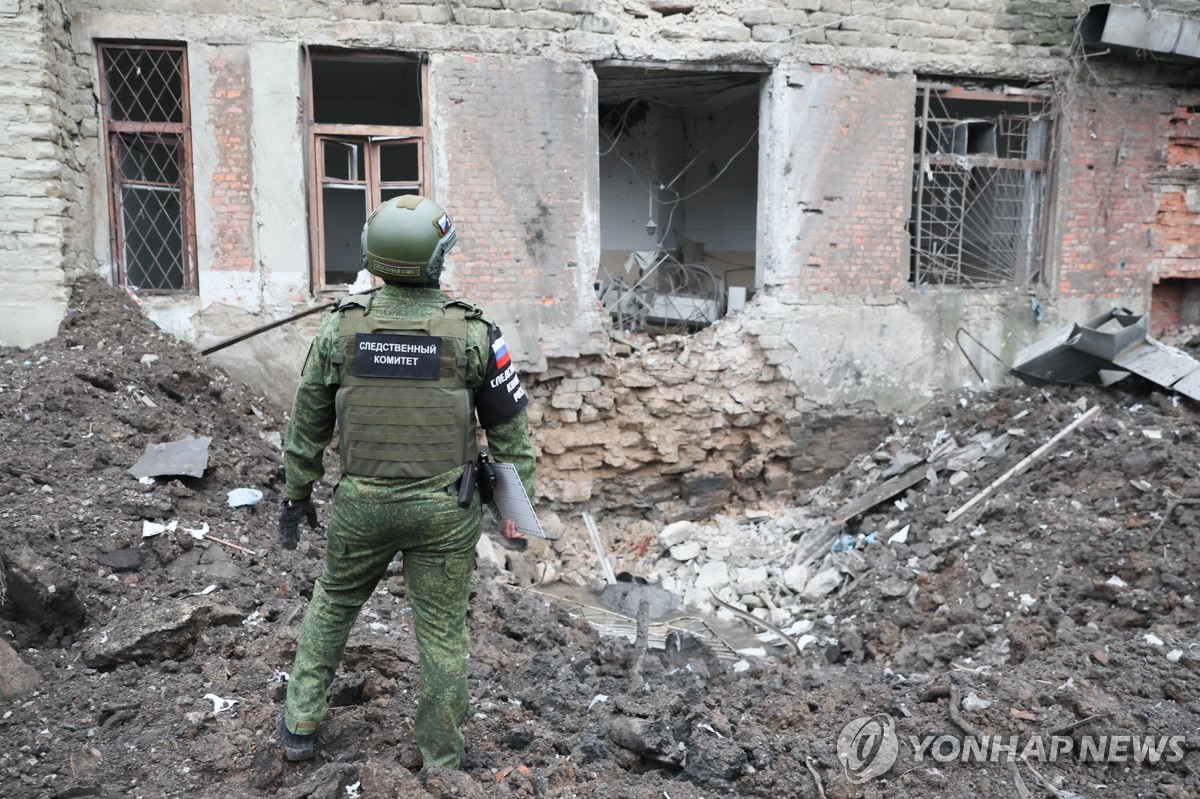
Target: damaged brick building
point(842, 205)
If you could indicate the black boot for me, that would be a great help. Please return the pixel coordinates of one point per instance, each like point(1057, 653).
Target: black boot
point(295, 747)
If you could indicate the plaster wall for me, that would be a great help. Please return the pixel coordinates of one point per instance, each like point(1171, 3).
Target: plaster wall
point(36, 172)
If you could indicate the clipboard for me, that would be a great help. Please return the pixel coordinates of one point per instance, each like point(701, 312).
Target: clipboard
point(509, 500)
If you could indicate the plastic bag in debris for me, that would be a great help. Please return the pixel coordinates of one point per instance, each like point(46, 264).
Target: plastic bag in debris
point(244, 496)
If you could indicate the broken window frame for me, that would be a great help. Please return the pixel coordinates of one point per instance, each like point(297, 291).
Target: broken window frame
point(939, 260)
point(372, 139)
point(120, 135)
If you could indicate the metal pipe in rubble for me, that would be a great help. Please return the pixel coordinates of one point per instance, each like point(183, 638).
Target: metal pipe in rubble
point(220, 345)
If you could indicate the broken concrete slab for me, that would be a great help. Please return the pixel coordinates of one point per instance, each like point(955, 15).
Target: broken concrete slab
point(122, 560)
point(626, 598)
point(187, 457)
point(1107, 349)
point(42, 591)
point(165, 631)
point(16, 676)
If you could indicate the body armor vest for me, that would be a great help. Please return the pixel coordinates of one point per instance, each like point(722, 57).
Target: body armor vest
point(403, 409)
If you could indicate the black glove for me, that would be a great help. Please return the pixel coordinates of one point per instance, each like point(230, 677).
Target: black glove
point(289, 520)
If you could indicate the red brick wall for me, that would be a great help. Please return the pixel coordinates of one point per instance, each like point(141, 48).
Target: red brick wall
point(231, 196)
point(1177, 222)
point(849, 172)
point(1114, 144)
point(515, 136)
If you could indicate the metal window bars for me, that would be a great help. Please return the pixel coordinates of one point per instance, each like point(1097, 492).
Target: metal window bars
point(149, 155)
point(979, 187)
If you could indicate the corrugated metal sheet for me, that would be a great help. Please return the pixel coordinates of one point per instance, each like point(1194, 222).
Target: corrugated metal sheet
point(1107, 349)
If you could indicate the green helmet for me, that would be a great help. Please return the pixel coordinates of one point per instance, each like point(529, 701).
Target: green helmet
point(406, 239)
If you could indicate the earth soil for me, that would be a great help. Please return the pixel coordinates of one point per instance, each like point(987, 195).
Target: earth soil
point(1045, 644)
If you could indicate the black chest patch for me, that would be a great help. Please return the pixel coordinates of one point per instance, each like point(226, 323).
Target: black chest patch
point(405, 357)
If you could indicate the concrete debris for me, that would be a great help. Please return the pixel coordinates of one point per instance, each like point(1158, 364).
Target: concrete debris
point(122, 560)
point(625, 598)
point(158, 632)
point(16, 676)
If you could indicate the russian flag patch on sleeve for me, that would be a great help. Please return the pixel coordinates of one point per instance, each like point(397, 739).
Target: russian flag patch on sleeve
point(500, 351)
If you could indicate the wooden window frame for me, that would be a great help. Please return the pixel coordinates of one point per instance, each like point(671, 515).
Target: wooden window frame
point(373, 137)
point(113, 131)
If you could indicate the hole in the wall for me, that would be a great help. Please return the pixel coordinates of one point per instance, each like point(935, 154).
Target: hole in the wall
point(678, 194)
point(1175, 309)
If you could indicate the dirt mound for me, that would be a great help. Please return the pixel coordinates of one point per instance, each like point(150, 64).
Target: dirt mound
point(142, 657)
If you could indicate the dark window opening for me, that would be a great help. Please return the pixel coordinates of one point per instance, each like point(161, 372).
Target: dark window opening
point(147, 139)
point(366, 89)
point(678, 194)
point(980, 186)
point(368, 134)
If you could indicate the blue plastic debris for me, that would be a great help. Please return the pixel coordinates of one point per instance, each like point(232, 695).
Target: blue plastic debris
point(844, 543)
point(244, 496)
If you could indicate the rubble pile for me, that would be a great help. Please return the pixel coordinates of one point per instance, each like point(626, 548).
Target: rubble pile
point(147, 624)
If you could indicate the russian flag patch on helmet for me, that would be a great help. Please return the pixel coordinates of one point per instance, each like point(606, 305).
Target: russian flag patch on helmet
point(500, 351)
point(444, 224)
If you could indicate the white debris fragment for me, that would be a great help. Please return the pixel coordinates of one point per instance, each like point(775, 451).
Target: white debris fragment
point(148, 359)
point(197, 533)
point(804, 641)
point(1153, 639)
point(678, 532)
point(685, 551)
point(150, 529)
point(597, 698)
point(220, 704)
point(1152, 434)
point(1028, 601)
point(800, 627)
point(1174, 655)
point(253, 620)
point(714, 575)
point(208, 589)
point(795, 578)
point(352, 790)
point(244, 496)
point(822, 583)
point(972, 702)
point(280, 676)
point(1116, 582)
point(900, 537)
point(741, 666)
point(709, 727)
point(753, 652)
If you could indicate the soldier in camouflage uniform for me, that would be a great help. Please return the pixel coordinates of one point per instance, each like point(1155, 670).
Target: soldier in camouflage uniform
point(404, 375)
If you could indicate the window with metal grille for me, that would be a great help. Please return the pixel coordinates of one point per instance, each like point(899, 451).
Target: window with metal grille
point(980, 183)
point(148, 145)
point(368, 145)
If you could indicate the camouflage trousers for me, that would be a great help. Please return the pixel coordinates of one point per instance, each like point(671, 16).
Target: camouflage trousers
point(438, 540)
